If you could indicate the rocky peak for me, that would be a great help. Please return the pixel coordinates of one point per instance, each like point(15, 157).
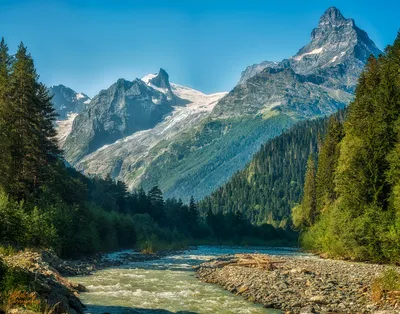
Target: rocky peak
point(67, 101)
point(338, 50)
point(161, 80)
point(119, 111)
point(332, 17)
point(161, 83)
point(335, 37)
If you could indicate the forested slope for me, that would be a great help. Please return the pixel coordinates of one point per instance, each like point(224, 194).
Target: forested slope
point(351, 203)
point(269, 186)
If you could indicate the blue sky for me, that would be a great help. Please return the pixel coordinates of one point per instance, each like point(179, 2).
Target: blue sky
point(204, 44)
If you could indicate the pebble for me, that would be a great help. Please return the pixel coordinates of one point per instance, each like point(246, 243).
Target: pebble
point(303, 285)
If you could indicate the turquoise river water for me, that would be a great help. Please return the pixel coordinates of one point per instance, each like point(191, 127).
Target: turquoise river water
point(167, 285)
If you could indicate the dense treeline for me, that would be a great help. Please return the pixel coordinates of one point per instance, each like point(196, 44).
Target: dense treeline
point(351, 203)
point(44, 203)
point(267, 189)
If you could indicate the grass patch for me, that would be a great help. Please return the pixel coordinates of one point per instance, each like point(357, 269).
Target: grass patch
point(7, 250)
point(154, 245)
point(385, 284)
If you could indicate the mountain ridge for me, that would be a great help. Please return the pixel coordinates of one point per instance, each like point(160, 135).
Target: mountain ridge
point(197, 156)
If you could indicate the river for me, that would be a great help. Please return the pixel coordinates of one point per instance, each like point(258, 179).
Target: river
point(167, 285)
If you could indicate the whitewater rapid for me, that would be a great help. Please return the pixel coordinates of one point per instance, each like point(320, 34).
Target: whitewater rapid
point(167, 285)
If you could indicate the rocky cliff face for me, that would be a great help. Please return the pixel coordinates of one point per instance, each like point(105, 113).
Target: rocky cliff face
point(319, 79)
point(67, 101)
point(121, 110)
point(338, 51)
point(67, 104)
point(270, 97)
point(150, 132)
point(129, 158)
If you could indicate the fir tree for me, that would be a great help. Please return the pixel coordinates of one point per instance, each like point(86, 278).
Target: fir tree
point(305, 214)
point(5, 126)
point(327, 163)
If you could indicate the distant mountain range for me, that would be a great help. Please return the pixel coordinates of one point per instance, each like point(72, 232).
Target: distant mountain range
point(67, 104)
point(150, 132)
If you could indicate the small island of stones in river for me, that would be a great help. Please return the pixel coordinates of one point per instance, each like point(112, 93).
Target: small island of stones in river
point(299, 284)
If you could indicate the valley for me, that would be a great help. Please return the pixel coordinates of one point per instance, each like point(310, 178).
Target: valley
point(279, 195)
point(199, 141)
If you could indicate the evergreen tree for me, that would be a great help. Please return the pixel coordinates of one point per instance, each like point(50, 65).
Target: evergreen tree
point(272, 183)
point(361, 217)
point(305, 214)
point(193, 217)
point(5, 136)
point(32, 132)
point(156, 204)
point(327, 163)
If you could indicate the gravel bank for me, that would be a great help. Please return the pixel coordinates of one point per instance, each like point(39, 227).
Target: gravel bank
point(303, 285)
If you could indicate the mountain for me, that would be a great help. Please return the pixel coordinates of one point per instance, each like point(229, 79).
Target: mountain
point(66, 101)
point(337, 52)
point(190, 149)
point(123, 109)
point(261, 107)
point(67, 104)
point(128, 159)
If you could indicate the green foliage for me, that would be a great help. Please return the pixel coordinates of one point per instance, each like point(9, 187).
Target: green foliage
point(389, 280)
point(13, 278)
point(272, 183)
point(327, 163)
point(358, 185)
point(305, 214)
point(217, 146)
point(44, 203)
point(27, 228)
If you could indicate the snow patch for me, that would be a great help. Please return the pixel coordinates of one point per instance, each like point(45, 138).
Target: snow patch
point(148, 77)
point(64, 127)
point(80, 96)
point(198, 100)
point(313, 52)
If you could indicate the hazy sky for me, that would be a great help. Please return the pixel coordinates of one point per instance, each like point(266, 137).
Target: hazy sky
point(89, 44)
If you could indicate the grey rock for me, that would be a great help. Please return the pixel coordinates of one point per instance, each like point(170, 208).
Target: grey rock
point(67, 101)
point(205, 148)
point(319, 299)
point(121, 110)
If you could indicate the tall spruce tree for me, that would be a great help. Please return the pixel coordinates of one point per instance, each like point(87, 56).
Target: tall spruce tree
point(32, 132)
point(5, 126)
point(327, 163)
point(305, 214)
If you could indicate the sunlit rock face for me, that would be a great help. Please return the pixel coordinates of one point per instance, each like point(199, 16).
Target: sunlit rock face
point(149, 131)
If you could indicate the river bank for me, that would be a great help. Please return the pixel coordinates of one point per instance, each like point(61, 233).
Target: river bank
point(38, 282)
point(303, 284)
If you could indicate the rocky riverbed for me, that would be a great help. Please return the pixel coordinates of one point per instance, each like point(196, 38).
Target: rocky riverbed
point(302, 284)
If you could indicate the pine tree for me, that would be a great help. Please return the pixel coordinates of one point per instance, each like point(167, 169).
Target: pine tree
point(362, 216)
point(5, 136)
point(32, 133)
point(156, 204)
point(193, 216)
point(327, 163)
point(305, 214)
